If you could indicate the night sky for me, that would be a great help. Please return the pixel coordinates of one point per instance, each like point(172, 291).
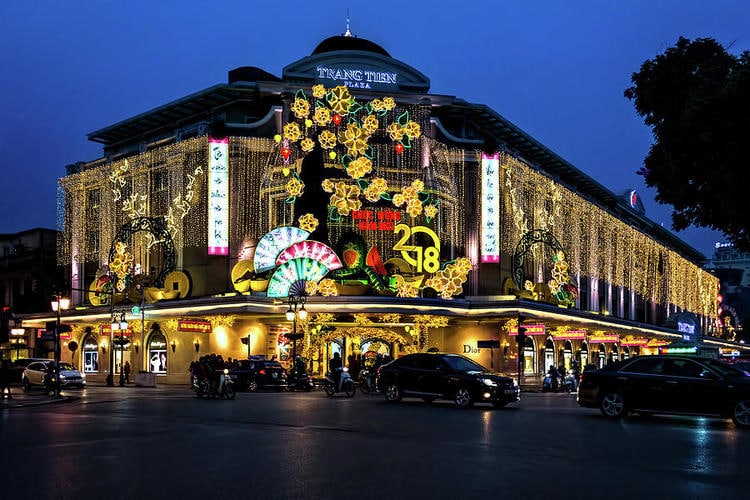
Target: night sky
point(557, 69)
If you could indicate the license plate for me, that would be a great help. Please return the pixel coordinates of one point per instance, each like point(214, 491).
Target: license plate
point(275, 375)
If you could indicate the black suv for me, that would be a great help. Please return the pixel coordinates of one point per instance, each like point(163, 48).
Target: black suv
point(432, 376)
point(668, 384)
point(254, 374)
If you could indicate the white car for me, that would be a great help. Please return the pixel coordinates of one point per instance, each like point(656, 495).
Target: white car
point(33, 375)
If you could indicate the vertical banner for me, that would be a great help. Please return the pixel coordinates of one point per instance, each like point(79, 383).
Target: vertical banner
point(218, 196)
point(490, 208)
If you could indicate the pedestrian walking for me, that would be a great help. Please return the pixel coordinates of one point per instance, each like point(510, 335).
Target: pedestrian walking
point(126, 371)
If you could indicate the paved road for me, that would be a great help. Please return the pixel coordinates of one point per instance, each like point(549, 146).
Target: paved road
point(141, 442)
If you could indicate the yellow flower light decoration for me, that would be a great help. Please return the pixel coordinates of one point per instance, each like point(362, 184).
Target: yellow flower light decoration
point(389, 318)
point(345, 198)
point(292, 132)
point(327, 139)
point(340, 100)
point(308, 222)
point(449, 282)
point(324, 318)
point(395, 131)
point(359, 167)
point(362, 319)
point(295, 187)
point(389, 103)
point(311, 288)
point(370, 124)
point(322, 116)
point(318, 91)
point(412, 129)
point(377, 187)
point(307, 144)
point(301, 108)
point(430, 211)
point(327, 288)
point(328, 185)
point(354, 139)
point(377, 105)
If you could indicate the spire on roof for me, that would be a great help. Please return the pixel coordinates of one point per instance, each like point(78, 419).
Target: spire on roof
point(347, 33)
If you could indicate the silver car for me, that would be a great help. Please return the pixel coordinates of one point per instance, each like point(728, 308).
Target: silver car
point(34, 375)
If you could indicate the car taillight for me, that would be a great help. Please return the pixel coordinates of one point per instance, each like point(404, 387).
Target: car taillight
point(262, 372)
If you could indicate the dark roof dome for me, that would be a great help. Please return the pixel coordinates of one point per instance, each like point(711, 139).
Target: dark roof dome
point(344, 42)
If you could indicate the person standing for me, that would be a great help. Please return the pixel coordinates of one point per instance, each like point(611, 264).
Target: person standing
point(126, 371)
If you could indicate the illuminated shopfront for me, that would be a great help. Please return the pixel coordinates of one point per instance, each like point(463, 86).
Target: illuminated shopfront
point(406, 220)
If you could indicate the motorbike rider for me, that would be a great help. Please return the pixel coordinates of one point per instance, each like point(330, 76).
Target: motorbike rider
point(554, 378)
point(299, 367)
point(334, 366)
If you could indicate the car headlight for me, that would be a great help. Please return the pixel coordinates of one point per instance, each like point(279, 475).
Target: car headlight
point(515, 383)
point(83, 375)
point(62, 377)
point(489, 382)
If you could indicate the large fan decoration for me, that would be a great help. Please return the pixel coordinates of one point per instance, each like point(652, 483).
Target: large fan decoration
point(292, 271)
point(312, 249)
point(273, 243)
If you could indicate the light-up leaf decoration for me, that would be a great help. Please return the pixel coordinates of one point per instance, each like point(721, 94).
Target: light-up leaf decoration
point(292, 271)
point(314, 250)
point(273, 243)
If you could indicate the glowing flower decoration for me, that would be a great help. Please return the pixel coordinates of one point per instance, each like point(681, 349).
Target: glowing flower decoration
point(327, 288)
point(292, 132)
point(412, 129)
point(340, 100)
point(295, 187)
point(345, 198)
point(359, 168)
point(370, 124)
point(327, 185)
point(398, 199)
point(307, 144)
point(318, 91)
point(414, 208)
point(308, 222)
point(377, 105)
point(301, 108)
point(418, 185)
point(528, 285)
point(327, 139)
point(430, 211)
point(322, 116)
point(389, 103)
point(354, 139)
point(395, 131)
point(311, 288)
point(377, 187)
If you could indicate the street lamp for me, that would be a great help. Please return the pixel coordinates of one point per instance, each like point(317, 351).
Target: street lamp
point(296, 311)
point(59, 304)
point(120, 324)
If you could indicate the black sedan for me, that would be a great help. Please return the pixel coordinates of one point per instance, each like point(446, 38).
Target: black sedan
point(255, 374)
point(668, 384)
point(453, 377)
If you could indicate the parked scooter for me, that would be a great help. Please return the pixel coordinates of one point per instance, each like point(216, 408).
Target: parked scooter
point(367, 381)
point(345, 385)
point(223, 388)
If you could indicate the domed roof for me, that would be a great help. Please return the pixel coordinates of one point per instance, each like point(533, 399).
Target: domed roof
point(344, 42)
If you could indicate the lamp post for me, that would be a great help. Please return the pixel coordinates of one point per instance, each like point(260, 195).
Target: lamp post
point(120, 324)
point(59, 304)
point(296, 310)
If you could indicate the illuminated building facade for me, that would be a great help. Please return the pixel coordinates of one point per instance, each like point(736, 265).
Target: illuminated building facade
point(404, 220)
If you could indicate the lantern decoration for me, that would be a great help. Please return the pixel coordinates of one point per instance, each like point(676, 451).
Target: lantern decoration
point(399, 148)
point(285, 152)
point(337, 119)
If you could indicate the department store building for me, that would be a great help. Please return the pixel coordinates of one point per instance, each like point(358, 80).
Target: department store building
point(397, 219)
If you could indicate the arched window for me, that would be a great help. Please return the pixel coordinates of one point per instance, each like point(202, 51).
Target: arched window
point(584, 354)
point(157, 352)
point(549, 354)
point(529, 359)
point(567, 354)
point(90, 354)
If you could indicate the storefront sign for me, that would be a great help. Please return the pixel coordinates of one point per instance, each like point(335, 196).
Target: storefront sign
point(106, 330)
point(194, 326)
point(607, 338)
point(218, 197)
point(639, 342)
point(570, 335)
point(490, 208)
point(530, 330)
point(376, 220)
point(44, 334)
point(657, 343)
point(17, 331)
point(358, 78)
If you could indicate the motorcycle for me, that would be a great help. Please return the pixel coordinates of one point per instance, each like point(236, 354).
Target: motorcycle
point(346, 384)
point(301, 382)
point(367, 381)
point(224, 388)
point(568, 384)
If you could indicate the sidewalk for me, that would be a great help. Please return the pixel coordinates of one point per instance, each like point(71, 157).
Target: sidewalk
point(21, 399)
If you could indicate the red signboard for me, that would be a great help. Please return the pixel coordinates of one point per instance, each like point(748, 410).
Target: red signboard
point(637, 342)
point(607, 338)
point(376, 220)
point(530, 330)
point(50, 335)
point(570, 335)
point(194, 326)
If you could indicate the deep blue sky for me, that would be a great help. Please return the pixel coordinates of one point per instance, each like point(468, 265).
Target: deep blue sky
point(557, 69)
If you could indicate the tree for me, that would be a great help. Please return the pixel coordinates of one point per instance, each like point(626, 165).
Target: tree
point(696, 98)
